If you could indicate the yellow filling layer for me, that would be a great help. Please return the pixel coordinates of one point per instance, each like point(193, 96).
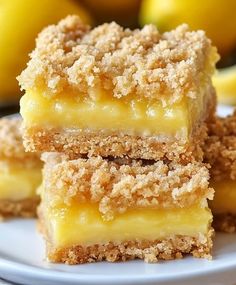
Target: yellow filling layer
point(19, 183)
point(82, 224)
point(225, 197)
point(105, 113)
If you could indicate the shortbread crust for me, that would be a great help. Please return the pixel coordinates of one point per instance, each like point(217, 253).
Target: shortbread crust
point(149, 251)
point(78, 143)
point(25, 208)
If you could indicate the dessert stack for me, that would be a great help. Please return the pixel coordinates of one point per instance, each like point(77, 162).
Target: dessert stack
point(121, 117)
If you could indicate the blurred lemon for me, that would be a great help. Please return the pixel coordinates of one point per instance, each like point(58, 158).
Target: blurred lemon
point(114, 6)
point(20, 22)
point(225, 83)
point(217, 18)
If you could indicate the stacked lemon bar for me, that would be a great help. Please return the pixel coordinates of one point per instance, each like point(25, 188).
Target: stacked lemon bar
point(20, 172)
point(121, 116)
point(220, 153)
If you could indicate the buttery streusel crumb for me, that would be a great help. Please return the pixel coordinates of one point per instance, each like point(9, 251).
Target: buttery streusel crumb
point(142, 62)
point(220, 148)
point(116, 187)
point(12, 143)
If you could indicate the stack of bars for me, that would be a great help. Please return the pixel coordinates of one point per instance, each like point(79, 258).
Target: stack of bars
point(121, 118)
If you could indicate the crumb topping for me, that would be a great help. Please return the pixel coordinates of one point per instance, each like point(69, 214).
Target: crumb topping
point(118, 185)
point(141, 62)
point(220, 148)
point(11, 142)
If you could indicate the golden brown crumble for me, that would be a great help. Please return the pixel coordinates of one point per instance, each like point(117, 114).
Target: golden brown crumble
point(220, 148)
point(24, 208)
point(142, 62)
point(116, 186)
point(12, 144)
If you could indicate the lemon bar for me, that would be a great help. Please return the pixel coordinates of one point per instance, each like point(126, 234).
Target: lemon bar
point(97, 209)
point(20, 172)
point(118, 92)
point(220, 153)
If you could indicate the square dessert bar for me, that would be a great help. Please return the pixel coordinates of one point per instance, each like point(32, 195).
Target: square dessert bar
point(220, 153)
point(20, 172)
point(98, 209)
point(115, 92)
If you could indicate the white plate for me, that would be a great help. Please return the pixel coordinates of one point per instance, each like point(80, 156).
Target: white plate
point(22, 261)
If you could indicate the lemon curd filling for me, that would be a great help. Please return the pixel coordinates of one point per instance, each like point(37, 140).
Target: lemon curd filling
point(82, 224)
point(19, 183)
point(225, 197)
point(101, 111)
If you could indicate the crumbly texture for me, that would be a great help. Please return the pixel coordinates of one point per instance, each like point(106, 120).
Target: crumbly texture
point(225, 222)
point(220, 148)
point(119, 185)
point(11, 142)
point(77, 143)
point(142, 62)
point(23, 208)
point(150, 251)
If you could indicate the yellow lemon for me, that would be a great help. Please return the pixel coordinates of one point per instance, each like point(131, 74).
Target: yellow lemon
point(225, 83)
point(217, 18)
point(20, 22)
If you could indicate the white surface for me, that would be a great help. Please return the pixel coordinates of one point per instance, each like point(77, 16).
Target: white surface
point(22, 261)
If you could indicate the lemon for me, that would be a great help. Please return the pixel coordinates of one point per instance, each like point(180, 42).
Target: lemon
point(225, 83)
point(20, 22)
point(217, 18)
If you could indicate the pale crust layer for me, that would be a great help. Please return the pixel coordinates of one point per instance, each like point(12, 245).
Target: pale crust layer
point(150, 251)
point(76, 143)
point(119, 185)
point(24, 208)
point(143, 62)
point(225, 222)
point(11, 143)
